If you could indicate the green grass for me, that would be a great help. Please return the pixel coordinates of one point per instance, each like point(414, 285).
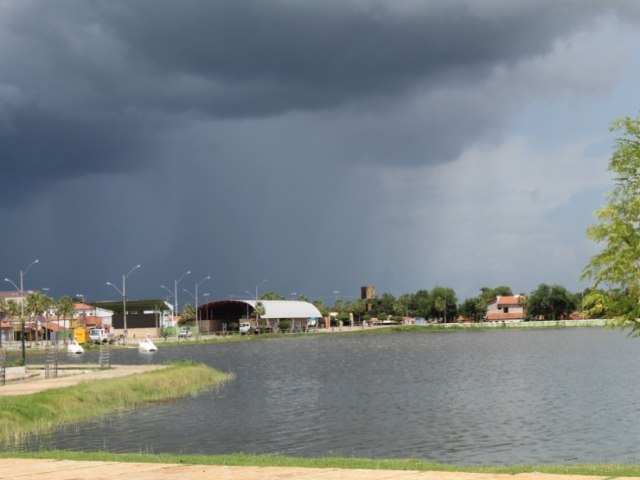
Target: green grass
point(41, 412)
point(240, 459)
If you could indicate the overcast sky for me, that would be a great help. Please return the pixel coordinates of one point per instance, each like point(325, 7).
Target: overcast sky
point(320, 146)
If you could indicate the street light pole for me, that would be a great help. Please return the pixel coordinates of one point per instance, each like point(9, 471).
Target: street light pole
point(256, 306)
point(22, 322)
point(123, 292)
point(208, 277)
point(173, 305)
point(23, 273)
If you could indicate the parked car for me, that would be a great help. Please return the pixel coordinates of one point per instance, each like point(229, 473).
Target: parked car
point(245, 327)
point(185, 333)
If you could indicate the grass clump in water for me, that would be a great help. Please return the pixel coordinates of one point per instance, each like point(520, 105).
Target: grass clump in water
point(42, 412)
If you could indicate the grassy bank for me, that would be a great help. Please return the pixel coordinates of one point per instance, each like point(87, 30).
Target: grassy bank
point(42, 412)
point(239, 459)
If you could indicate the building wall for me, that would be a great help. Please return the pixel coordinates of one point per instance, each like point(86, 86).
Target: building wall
point(137, 320)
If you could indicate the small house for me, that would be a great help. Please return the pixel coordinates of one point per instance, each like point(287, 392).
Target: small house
point(506, 309)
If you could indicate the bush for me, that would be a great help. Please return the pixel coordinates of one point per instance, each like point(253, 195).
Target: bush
point(284, 326)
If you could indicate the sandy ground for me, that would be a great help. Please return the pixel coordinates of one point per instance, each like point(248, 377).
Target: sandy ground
point(74, 470)
point(34, 381)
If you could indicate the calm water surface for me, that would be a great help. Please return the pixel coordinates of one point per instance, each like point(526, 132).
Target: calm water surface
point(489, 397)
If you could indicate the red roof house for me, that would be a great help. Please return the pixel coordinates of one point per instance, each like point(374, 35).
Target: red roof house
point(505, 308)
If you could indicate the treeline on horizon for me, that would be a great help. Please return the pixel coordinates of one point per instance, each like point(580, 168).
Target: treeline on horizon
point(547, 302)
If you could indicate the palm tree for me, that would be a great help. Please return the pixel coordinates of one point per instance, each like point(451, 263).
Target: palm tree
point(523, 301)
point(36, 304)
point(65, 308)
point(12, 311)
point(259, 311)
point(3, 308)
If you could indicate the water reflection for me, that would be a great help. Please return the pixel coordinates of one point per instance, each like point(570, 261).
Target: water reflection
point(499, 397)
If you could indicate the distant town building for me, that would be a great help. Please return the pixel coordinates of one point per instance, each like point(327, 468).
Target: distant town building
point(92, 316)
point(368, 294)
point(505, 308)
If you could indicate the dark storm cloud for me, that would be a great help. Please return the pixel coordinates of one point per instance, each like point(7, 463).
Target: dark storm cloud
point(246, 58)
point(84, 85)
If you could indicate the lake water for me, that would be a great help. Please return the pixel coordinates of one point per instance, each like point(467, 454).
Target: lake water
point(466, 397)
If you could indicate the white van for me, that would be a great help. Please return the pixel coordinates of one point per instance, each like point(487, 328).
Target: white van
point(245, 327)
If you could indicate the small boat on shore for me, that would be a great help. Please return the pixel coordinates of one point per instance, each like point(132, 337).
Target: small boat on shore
point(74, 347)
point(147, 345)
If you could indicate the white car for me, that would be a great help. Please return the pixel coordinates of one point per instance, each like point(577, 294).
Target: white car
point(184, 333)
point(245, 327)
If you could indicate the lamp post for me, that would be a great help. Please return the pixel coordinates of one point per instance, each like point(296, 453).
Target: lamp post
point(21, 316)
point(195, 299)
point(21, 290)
point(123, 292)
point(173, 305)
point(167, 289)
point(208, 277)
point(256, 307)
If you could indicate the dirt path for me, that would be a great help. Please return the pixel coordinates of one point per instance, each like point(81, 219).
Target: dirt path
point(35, 382)
point(74, 470)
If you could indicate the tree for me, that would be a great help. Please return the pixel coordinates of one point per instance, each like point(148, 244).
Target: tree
point(3, 311)
point(444, 303)
point(340, 305)
point(324, 310)
point(359, 307)
point(65, 309)
point(474, 308)
point(259, 311)
point(489, 294)
point(303, 298)
point(617, 265)
point(550, 302)
point(523, 301)
point(384, 305)
point(12, 309)
point(404, 306)
point(35, 305)
point(441, 307)
point(423, 303)
point(595, 303)
point(272, 296)
point(188, 314)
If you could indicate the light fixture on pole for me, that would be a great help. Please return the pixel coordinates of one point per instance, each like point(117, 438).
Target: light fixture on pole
point(123, 292)
point(256, 306)
point(167, 289)
point(173, 304)
point(208, 277)
point(22, 322)
point(24, 272)
point(175, 296)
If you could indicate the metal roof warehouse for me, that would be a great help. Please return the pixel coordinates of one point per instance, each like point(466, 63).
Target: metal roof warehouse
point(224, 315)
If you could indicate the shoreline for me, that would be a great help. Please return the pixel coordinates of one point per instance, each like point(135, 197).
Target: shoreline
point(392, 328)
point(596, 322)
point(71, 465)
